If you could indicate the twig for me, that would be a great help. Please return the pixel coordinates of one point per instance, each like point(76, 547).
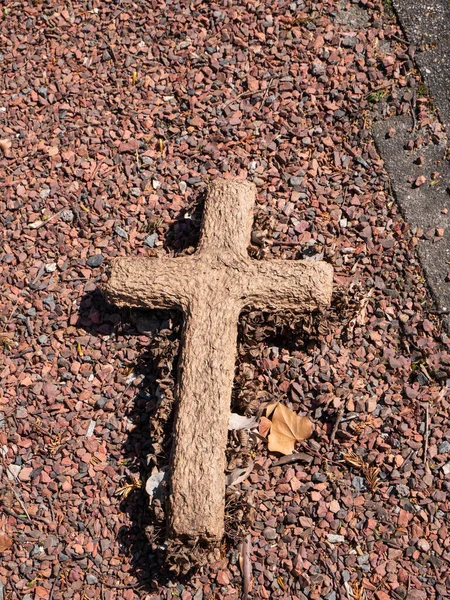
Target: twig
point(18, 498)
point(11, 513)
point(413, 109)
point(246, 566)
point(293, 458)
point(427, 434)
point(265, 95)
point(114, 586)
point(277, 243)
point(239, 96)
point(39, 224)
point(399, 39)
point(380, 87)
point(52, 590)
point(339, 416)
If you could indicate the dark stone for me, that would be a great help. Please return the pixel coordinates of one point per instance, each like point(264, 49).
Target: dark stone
point(94, 261)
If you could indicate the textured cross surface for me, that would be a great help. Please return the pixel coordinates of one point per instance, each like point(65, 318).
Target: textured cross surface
point(211, 287)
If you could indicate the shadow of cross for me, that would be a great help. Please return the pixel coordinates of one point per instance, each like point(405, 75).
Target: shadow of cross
point(211, 287)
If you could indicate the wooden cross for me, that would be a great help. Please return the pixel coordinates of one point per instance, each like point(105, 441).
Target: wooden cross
point(211, 287)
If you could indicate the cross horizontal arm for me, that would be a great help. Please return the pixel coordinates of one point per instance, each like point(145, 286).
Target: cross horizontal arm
point(151, 282)
point(302, 285)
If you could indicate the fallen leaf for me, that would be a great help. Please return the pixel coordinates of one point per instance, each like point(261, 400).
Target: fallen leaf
point(239, 475)
point(264, 426)
point(156, 485)
point(270, 408)
point(5, 541)
point(5, 146)
point(287, 428)
point(239, 422)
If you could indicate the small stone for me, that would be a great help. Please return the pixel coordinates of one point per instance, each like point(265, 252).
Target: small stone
point(444, 448)
point(151, 240)
point(423, 545)
point(66, 216)
point(402, 491)
point(349, 41)
point(25, 474)
point(363, 559)
point(270, 533)
point(13, 472)
point(318, 68)
point(42, 91)
point(91, 579)
point(420, 181)
point(358, 483)
point(334, 506)
point(100, 403)
point(334, 538)
point(446, 469)
point(296, 181)
point(51, 267)
point(94, 261)
point(121, 233)
point(49, 300)
point(43, 339)
point(222, 578)
point(183, 186)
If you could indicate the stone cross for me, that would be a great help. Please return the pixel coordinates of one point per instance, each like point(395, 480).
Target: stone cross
point(211, 287)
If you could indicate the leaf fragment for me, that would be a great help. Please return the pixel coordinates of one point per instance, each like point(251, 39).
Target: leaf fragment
point(287, 428)
point(240, 422)
point(5, 541)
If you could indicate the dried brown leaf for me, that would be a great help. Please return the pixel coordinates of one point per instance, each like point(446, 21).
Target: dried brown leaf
point(264, 426)
point(5, 541)
point(239, 475)
point(5, 146)
point(287, 428)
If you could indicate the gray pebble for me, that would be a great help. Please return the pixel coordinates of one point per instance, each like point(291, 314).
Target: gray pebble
point(402, 490)
point(94, 261)
point(349, 42)
point(335, 538)
point(121, 233)
point(358, 483)
point(66, 216)
point(270, 533)
point(363, 559)
point(151, 240)
point(91, 579)
point(444, 448)
point(296, 181)
point(100, 403)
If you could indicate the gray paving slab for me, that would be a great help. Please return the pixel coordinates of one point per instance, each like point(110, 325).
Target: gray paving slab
point(427, 25)
point(435, 68)
point(423, 206)
point(424, 21)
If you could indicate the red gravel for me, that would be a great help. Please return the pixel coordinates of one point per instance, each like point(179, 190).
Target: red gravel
point(113, 117)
